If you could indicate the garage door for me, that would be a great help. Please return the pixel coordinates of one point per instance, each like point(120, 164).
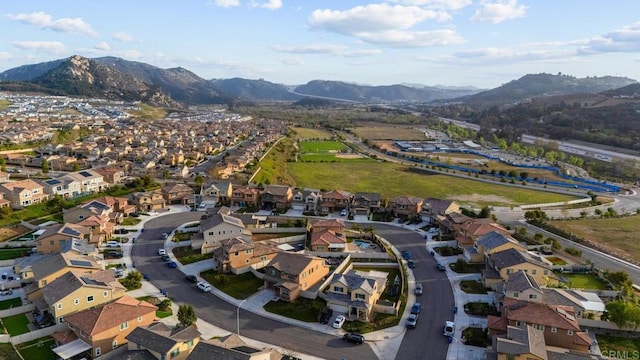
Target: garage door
point(340, 309)
point(298, 207)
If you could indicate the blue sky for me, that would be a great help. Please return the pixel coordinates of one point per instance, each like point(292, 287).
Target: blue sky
point(483, 43)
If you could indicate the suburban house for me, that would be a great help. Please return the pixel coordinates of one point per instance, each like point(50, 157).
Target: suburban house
point(437, 210)
point(71, 293)
point(500, 264)
point(111, 175)
point(518, 286)
point(104, 328)
point(65, 187)
point(245, 196)
point(328, 240)
point(51, 267)
point(90, 180)
point(470, 231)
point(216, 228)
point(4, 176)
point(218, 192)
point(148, 200)
point(406, 206)
point(489, 244)
point(4, 202)
point(365, 203)
point(180, 194)
point(51, 239)
point(520, 343)
point(237, 253)
point(292, 274)
point(452, 223)
point(162, 342)
point(88, 209)
point(356, 292)
point(334, 201)
point(276, 197)
point(101, 229)
point(214, 349)
point(305, 200)
point(335, 225)
point(23, 193)
point(558, 323)
point(120, 206)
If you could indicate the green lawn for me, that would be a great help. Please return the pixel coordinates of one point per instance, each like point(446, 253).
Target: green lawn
point(330, 158)
point(10, 303)
point(610, 344)
point(16, 324)
point(318, 147)
point(480, 309)
point(163, 314)
point(380, 321)
point(475, 336)
point(302, 309)
point(359, 176)
point(187, 255)
point(7, 254)
point(239, 286)
point(7, 352)
point(556, 260)
point(472, 287)
point(129, 221)
point(308, 133)
point(584, 281)
point(38, 349)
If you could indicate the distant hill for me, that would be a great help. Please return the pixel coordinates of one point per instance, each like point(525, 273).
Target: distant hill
point(543, 85)
point(339, 90)
point(29, 72)
point(632, 90)
point(256, 90)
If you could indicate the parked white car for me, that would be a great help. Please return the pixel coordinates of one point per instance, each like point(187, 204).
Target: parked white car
point(204, 286)
point(339, 321)
point(113, 244)
point(449, 328)
point(162, 252)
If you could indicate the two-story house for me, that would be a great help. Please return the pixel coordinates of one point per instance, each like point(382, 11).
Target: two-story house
point(238, 253)
point(437, 209)
point(65, 187)
point(181, 194)
point(355, 293)
point(489, 244)
point(334, 200)
point(335, 225)
point(23, 193)
point(291, 274)
point(216, 228)
point(470, 231)
point(276, 197)
point(104, 328)
point(148, 200)
point(306, 200)
point(162, 342)
point(245, 196)
point(500, 264)
point(90, 180)
point(71, 293)
point(51, 239)
point(111, 175)
point(328, 240)
point(365, 203)
point(218, 192)
point(51, 267)
point(558, 323)
point(406, 206)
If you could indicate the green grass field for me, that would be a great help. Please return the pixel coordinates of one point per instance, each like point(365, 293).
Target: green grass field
point(6, 254)
point(393, 180)
point(331, 158)
point(38, 349)
point(308, 133)
point(239, 286)
point(4, 104)
point(10, 303)
point(584, 281)
point(321, 147)
point(16, 324)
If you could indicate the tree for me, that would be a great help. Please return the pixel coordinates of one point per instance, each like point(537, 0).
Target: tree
point(45, 166)
point(186, 315)
point(76, 166)
point(132, 281)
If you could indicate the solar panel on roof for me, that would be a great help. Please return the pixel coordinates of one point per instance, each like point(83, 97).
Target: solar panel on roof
point(97, 205)
point(81, 263)
point(52, 182)
point(71, 232)
point(85, 173)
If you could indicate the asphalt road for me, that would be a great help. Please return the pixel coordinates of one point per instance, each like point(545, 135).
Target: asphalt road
point(222, 314)
point(426, 340)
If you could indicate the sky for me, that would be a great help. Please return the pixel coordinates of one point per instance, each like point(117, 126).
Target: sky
point(481, 43)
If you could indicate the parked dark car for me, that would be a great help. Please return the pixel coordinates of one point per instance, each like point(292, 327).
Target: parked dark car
point(441, 267)
point(192, 279)
point(166, 258)
point(353, 338)
point(113, 255)
point(411, 264)
point(325, 316)
point(406, 255)
point(172, 264)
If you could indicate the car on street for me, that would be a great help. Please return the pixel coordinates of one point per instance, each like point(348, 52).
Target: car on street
point(415, 309)
point(172, 264)
point(418, 289)
point(343, 212)
point(113, 254)
point(406, 255)
point(441, 267)
point(162, 252)
point(412, 321)
point(204, 286)
point(449, 328)
point(339, 321)
point(411, 264)
point(165, 235)
point(145, 276)
point(166, 258)
point(113, 244)
point(353, 338)
point(191, 278)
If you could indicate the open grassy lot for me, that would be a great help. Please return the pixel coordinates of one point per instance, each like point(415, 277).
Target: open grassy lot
point(187, 255)
point(129, 221)
point(584, 281)
point(609, 344)
point(389, 133)
point(308, 133)
point(4, 104)
point(601, 231)
point(16, 324)
point(319, 147)
point(367, 176)
point(148, 112)
point(302, 309)
point(38, 349)
point(239, 286)
point(333, 158)
point(274, 166)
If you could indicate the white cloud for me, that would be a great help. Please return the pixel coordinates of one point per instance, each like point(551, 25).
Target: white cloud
point(499, 11)
point(492, 55)
point(311, 49)
point(226, 3)
point(626, 39)
point(103, 46)
point(361, 53)
point(395, 38)
point(292, 61)
point(5, 56)
point(52, 47)
point(131, 54)
point(272, 4)
point(437, 4)
point(123, 37)
point(45, 21)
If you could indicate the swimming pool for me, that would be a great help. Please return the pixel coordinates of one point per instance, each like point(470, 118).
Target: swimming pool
point(363, 244)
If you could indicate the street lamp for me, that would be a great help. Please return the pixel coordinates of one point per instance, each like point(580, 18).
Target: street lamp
point(238, 316)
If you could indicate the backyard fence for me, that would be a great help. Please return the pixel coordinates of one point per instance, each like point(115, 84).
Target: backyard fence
point(17, 310)
point(36, 334)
